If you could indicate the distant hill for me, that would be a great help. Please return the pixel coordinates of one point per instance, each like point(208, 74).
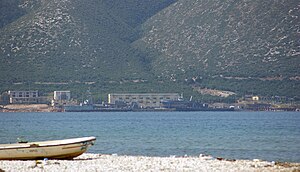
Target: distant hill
point(241, 46)
point(75, 45)
point(64, 41)
point(246, 47)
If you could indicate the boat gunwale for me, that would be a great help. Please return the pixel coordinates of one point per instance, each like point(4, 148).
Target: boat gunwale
point(37, 144)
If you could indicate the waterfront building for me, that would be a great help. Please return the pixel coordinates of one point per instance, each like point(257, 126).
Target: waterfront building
point(143, 100)
point(62, 95)
point(24, 97)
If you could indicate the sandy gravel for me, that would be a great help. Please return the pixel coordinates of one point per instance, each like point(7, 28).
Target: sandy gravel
point(98, 163)
point(27, 108)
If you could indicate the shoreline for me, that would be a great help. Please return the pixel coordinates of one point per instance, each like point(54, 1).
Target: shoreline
point(46, 108)
point(27, 108)
point(114, 162)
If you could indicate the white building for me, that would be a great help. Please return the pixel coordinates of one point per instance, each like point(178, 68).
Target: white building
point(146, 100)
point(62, 95)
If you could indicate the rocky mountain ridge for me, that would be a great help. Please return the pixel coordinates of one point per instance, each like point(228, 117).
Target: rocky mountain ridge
point(245, 47)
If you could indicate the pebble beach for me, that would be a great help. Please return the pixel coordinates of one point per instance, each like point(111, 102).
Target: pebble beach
point(98, 162)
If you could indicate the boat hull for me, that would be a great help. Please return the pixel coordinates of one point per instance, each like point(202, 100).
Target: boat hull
point(57, 149)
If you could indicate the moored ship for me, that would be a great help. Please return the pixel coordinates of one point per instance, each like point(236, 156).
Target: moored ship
point(184, 105)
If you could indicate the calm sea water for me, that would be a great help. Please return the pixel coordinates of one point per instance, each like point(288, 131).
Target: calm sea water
point(273, 136)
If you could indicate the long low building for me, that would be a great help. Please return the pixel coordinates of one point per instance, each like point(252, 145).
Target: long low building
point(144, 100)
point(25, 97)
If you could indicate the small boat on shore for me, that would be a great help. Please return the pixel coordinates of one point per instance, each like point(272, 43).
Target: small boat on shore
point(55, 149)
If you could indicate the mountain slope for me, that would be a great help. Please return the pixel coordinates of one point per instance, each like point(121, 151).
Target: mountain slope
point(68, 41)
point(135, 12)
point(246, 47)
point(78, 46)
point(227, 41)
point(9, 12)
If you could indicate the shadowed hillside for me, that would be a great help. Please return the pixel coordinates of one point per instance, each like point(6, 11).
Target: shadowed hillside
point(68, 41)
point(11, 10)
point(135, 12)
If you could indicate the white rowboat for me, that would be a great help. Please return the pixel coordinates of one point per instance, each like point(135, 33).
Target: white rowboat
point(55, 149)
